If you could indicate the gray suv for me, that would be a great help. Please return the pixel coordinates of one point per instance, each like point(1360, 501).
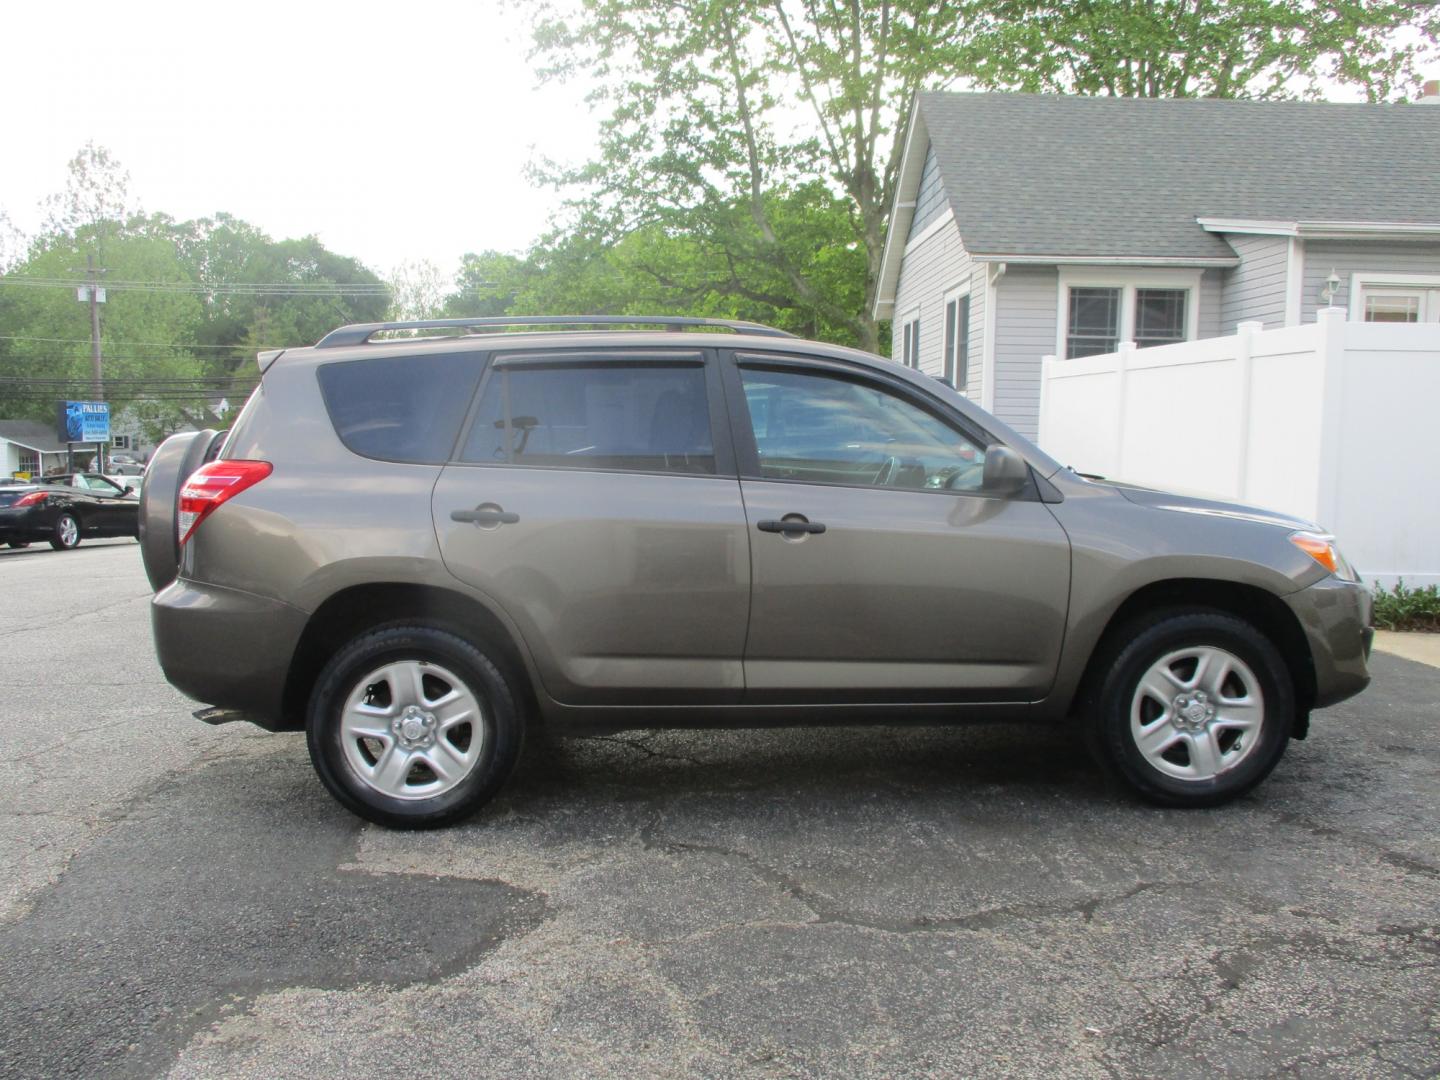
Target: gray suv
point(419, 549)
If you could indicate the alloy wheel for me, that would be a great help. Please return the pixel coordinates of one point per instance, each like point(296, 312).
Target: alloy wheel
point(411, 729)
point(1197, 713)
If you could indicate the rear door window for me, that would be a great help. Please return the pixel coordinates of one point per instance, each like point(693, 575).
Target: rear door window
point(645, 416)
point(401, 408)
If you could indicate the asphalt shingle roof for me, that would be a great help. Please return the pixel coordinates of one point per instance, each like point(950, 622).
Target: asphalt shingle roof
point(1032, 174)
point(31, 434)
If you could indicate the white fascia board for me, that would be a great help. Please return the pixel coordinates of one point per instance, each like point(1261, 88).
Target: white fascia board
point(29, 446)
point(1258, 226)
point(930, 230)
point(1320, 230)
point(1110, 260)
point(902, 209)
point(1350, 230)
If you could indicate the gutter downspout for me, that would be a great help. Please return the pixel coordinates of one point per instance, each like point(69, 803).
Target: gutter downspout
point(993, 273)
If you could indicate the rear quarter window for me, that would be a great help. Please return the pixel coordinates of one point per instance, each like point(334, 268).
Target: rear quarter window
point(400, 408)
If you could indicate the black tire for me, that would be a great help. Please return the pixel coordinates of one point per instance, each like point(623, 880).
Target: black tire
point(1134, 651)
point(19, 543)
point(501, 718)
point(65, 534)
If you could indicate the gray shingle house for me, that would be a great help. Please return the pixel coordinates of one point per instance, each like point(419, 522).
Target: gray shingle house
point(27, 446)
point(1025, 225)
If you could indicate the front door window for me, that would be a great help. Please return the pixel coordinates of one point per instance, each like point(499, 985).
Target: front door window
point(827, 430)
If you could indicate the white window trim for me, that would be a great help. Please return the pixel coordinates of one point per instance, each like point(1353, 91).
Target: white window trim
point(953, 294)
point(1127, 282)
point(912, 315)
point(1362, 279)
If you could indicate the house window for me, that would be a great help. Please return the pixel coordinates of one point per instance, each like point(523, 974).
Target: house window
point(1396, 298)
point(121, 442)
point(1102, 308)
point(957, 341)
point(29, 462)
point(1382, 307)
point(1159, 317)
point(1094, 322)
point(910, 342)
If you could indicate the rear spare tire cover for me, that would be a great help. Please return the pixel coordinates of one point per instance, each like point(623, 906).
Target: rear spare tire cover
point(170, 466)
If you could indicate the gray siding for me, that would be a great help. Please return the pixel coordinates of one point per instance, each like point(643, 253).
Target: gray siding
point(1025, 302)
point(1254, 290)
point(930, 203)
point(929, 271)
point(1348, 257)
point(1212, 293)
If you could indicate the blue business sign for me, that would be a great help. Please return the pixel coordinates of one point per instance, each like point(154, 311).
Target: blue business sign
point(84, 421)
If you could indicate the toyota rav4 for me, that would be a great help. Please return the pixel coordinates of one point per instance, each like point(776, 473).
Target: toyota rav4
point(419, 549)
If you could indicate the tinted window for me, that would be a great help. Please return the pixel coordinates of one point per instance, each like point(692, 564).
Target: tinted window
point(647, 417)
point(400, 408)
point(833, 431)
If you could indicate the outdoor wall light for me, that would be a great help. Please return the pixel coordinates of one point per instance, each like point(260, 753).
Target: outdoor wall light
point(1332, 286)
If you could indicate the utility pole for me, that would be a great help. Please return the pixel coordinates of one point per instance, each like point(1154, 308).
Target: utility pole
point(92, 292)
point(96, 296)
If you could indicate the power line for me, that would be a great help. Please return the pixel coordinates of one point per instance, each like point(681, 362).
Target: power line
point(140, 344)
point(276, 288)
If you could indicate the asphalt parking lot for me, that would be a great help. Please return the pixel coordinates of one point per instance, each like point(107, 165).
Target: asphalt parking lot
point(187, 901)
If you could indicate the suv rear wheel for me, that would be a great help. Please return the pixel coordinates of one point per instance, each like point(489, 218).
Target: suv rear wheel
point(413, 727)
point(1194, 709)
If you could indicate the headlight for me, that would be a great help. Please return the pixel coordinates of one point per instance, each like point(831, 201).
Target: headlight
point(1321, 547)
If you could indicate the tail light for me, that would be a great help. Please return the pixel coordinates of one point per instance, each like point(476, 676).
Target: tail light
point(212, 485)
point(35, 498)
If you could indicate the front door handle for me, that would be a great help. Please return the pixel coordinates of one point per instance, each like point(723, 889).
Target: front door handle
point(795, 524)
point(486, 514)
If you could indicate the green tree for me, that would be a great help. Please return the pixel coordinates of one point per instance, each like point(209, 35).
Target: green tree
point(270, 293)
point(652, 270)
point(1199, 48)
point(145, 333)
point(189, 303)
point(712, 107)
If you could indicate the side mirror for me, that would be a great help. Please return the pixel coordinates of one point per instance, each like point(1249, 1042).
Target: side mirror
point(1005, 471)
point(128, 490)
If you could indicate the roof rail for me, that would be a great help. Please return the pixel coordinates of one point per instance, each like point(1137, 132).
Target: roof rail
point(361, 333)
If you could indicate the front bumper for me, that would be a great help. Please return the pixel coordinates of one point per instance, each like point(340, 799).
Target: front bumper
point(227, 648)
point(1336, 617)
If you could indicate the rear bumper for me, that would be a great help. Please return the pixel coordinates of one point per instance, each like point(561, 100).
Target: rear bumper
point(227, 648)
point(22, 524)
point(1336, 616)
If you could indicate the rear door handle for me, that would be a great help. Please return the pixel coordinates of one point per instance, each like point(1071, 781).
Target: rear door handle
point(485, 514)
point(792, 525)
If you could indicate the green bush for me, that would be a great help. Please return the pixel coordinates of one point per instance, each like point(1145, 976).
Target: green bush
point(1407, 609)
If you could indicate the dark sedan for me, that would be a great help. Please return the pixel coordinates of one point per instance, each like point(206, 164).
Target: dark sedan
point(63, 509)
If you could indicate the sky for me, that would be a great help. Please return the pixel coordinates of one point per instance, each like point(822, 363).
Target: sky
point(395, 132)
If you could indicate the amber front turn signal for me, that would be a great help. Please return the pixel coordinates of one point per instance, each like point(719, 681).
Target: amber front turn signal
point(1323, 550)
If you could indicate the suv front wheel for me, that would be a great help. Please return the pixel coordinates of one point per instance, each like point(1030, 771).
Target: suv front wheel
point(413, 727)
point(1194, 709)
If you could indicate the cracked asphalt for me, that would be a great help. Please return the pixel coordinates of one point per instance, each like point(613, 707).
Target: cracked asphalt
point(185, 901)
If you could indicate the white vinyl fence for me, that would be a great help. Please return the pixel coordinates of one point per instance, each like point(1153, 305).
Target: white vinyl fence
point(1336, 422)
